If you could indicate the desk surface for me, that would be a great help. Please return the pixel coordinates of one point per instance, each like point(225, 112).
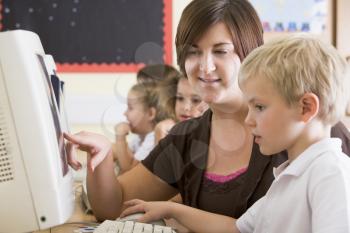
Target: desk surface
point(78, 219)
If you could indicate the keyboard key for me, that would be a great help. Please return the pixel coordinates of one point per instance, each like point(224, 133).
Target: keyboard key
point(109, 226)
point(128, 227)
point(148, 228)
point(138, 228)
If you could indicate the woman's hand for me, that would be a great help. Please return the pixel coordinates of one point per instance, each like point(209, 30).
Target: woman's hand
point(97, 146)
point(153, 210)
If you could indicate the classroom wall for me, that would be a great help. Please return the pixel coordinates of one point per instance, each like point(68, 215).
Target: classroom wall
point(343, 28)
point(96, 101)
point(343, 36)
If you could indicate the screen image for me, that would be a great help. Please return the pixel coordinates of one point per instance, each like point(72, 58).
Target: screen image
point(55, 116)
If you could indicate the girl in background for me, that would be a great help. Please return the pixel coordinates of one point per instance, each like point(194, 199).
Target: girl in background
point(179, 101)
point(156, 73)
point(142, 114)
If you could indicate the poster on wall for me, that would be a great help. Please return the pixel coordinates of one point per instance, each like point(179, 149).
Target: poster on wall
point(281, 16)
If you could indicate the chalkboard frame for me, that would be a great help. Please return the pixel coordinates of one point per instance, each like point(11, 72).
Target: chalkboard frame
point(122, 67)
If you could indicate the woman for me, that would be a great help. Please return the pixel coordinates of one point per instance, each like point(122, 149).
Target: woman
point(196, 158)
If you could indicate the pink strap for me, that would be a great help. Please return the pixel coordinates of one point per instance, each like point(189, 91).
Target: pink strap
point(224, 178)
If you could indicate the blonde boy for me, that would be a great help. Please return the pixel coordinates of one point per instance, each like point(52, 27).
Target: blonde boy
point(296, 90)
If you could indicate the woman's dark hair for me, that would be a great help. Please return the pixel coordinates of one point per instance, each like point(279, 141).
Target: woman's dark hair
point(239, 16)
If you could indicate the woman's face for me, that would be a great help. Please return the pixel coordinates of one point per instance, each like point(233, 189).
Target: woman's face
point(212, 65)
point(187, 101)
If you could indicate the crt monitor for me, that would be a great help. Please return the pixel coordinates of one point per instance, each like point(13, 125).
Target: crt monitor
point(36, 184)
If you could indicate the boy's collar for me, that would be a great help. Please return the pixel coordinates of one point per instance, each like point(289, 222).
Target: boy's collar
point(300, 164)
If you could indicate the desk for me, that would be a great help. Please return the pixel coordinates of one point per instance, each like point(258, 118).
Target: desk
point(79, 217)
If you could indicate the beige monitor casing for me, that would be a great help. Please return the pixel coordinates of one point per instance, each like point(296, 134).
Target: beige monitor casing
point(34, 193)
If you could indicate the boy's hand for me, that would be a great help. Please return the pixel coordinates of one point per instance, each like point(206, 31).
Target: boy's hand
point(97, 146)
point(153, 210)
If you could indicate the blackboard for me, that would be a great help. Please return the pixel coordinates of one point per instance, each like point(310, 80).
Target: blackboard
point(90, 35)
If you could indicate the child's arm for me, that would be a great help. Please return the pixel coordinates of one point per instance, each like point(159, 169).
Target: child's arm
point(121, 150)
point(194, 219)
point(162, 129)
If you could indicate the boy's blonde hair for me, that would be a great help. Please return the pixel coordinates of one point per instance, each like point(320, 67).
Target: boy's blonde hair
point(302, 64)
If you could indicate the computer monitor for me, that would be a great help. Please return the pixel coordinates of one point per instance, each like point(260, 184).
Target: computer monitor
point(36, 184)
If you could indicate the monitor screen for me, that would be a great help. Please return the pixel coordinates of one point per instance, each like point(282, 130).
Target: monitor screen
point(53, 101)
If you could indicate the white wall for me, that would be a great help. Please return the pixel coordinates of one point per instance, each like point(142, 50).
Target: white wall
point(343, 35)
point(96, 101)
point(343, 28)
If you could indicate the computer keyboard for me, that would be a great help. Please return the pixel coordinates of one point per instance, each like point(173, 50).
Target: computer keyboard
point(116, 226)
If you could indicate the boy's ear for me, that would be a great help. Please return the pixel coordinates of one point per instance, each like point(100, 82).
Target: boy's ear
point(310, 104)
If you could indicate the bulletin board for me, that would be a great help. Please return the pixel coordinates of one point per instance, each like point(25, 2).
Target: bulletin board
point(290, 16)
point(96, 36)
